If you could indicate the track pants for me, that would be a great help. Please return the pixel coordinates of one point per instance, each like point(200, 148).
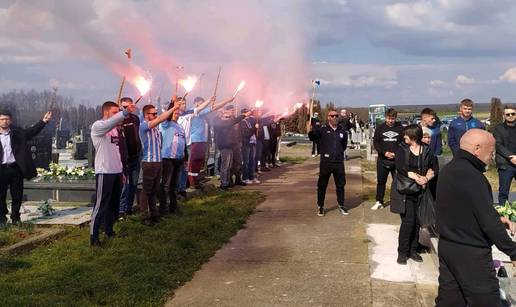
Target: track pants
point(105, 212)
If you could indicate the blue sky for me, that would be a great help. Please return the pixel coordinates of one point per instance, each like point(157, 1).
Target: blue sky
point(364, 52)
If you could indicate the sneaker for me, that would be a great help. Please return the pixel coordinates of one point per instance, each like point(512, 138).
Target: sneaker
point(320, 211)
point(247, 181)
point(17, 223)
point(377, 205)
point(313, 156)
point(416, 257)
point(402, 259)
point(256, 181)
point(95, 242)
point(343, 210)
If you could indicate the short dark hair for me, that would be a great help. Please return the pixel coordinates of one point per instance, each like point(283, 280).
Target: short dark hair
point(506, 107)
point(414, 132)
point(391, 113)
point(6, 113)
point(428, 111)
point(198, 100)
point(147, 108)
point(128, 99)
point(466, 102)
point(108, 105)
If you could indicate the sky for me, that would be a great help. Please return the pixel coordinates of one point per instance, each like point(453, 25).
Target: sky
point(363, 51)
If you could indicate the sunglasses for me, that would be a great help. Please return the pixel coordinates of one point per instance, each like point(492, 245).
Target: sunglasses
point(510, 114)
point(333, 115)
point(155, 113)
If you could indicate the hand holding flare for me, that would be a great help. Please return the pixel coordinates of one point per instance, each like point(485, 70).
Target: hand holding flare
point(188, 84)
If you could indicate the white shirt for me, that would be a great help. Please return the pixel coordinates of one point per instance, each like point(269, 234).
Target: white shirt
point(5, 139)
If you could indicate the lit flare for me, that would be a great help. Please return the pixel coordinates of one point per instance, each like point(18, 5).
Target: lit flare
point(143, 85)
point(258, 104)
point(239, 88)
point(189, 83)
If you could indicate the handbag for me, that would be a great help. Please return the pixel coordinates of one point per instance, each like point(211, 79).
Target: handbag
point(426, 210)
point(404, 184)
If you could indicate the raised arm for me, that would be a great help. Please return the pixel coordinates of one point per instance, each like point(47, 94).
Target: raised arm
point(101, 127)
point(163, 116)
point(222, 104)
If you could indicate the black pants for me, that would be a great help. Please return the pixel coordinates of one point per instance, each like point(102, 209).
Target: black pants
point(326, 169)
point(382, 173)
point(505, 177)
point(236, 166)
point(151, 174)
point(315, 147)
point(107, 205)
point(273, 150)
point(168, 188)
point(265, 158)
point(11, 178)
point(409, 229)
point(466, 276)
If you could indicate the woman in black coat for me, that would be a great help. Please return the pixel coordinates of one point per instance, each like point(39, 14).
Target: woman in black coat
point(415, 163)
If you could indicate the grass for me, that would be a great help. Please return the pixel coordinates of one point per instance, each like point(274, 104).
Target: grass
point(13, 234)
point(138, 268)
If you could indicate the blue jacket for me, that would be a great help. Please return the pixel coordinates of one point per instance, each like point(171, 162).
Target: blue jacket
point(436, 143)
point(457, 128)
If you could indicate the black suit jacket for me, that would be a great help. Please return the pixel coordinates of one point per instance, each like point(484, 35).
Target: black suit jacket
point(21, 150)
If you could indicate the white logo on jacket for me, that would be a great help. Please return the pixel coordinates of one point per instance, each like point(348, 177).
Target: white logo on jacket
point(390, 136)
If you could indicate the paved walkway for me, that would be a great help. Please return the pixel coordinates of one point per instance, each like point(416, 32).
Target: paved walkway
point(288, 256)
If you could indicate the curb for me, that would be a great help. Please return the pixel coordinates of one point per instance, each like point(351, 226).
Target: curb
point(47, 236)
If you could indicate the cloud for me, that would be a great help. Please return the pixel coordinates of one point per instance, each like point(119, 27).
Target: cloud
point(437, 83)
point(464, 80)
point(509, 75)
point(337, 75)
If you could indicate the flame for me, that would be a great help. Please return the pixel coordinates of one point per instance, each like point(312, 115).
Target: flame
point(258, 104)
point(239, 88)
point(142, 84)
point(188, 83)
point(298, 106)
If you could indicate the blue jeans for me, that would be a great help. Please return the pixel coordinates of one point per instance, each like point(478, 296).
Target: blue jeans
point(248, 159)
point(505, 176)
point(183, 175)
point(129, 190)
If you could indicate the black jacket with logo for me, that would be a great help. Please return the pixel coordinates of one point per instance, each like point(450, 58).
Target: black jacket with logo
point(387, 139)
point(332, 142)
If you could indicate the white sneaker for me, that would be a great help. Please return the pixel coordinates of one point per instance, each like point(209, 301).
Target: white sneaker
point(256, 181)
point(377, 205)
point(247, 181)
point(313, 156)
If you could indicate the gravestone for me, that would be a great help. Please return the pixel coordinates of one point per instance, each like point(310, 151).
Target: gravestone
point(81, 151)
point(62, 137)
point(41, 149)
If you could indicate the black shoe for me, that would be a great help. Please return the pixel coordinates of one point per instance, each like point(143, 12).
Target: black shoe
point(182, 193)
point(266, 169)
point(343, 210)
point(224, 187)
point(240, 182)
point(95, 242)
point(17, 223)
point(320, 211)
point(402, 259)
point(416, 257)
point(155, 220)
point(3, 224)
point(111, 234)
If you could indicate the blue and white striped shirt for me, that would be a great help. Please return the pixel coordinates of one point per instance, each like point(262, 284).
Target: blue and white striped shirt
point(151, 142)
point(174, 140)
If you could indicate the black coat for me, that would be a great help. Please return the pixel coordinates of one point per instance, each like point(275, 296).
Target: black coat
point(464, 206)
point(429, 161)
point(332, 142)
point(21, 150)
point(505, 142)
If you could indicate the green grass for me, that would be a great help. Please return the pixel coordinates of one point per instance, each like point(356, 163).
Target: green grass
point(138, 268)
point(293, 160)
point(12, 234)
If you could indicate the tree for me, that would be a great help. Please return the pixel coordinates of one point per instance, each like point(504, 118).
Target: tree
point(496, 116)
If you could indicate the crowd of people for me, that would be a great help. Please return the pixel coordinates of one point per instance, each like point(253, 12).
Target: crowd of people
point(170, 148)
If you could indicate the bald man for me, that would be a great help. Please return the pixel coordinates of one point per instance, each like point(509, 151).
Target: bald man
point(468, 226)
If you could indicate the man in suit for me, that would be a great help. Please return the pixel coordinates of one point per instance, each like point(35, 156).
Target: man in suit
point(16, 163)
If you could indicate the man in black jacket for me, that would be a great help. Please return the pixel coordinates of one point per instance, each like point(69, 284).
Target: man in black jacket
point(505, 135)
point(386, 140)
point(333, 140)
point(226, 138)
point(315, 124)
point(16, 163)
point(133, 149)
point(469, 225)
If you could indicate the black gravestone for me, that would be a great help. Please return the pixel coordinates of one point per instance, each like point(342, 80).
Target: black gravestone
point(81, 151)
point(41, 149)
point(62, 137)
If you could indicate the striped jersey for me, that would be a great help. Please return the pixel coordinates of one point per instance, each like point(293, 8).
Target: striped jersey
point(174, 141)
point(151, 142)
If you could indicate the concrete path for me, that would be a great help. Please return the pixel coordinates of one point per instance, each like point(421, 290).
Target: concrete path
point(288, 256)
